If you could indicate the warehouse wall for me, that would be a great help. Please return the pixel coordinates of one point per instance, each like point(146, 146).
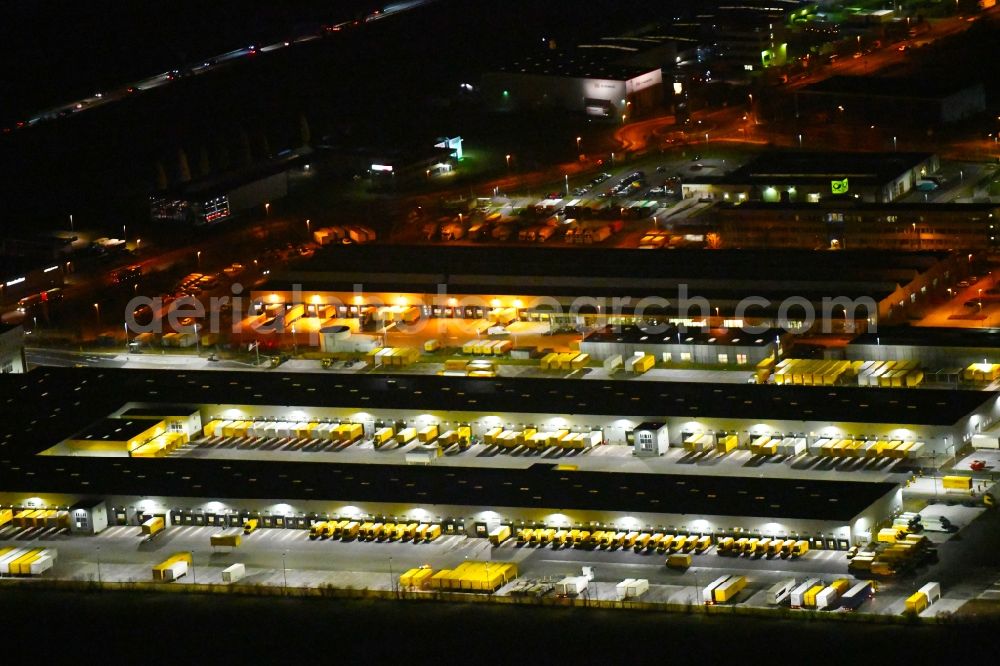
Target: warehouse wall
point(468, 515)
point(696, 353)
point(863, 526)
point(938, 440)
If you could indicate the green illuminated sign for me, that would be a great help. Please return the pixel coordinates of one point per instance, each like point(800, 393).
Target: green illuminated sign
point(839, 186)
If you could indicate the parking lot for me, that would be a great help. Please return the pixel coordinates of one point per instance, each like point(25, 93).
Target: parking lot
point(288, 557)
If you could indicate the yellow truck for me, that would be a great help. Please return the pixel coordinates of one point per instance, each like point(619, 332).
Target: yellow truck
point(250, 526)
point(432, 532)
point(350, 530)
point(800, 548)
point(173, 567)
point(916, 603)
point(317, 529)
point(703, 543)
point(382, 435)
point(725, 545)
point(6, 516)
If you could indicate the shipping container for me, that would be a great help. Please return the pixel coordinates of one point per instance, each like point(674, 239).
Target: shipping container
point(809, 596)
point(916, 603)
point(227, 539)
point(432, 532)
point(153, 526)
point(632, 588)
point(857, 595)
point(801, 547)
point(234, 573)
point(571, 586)
point(350, 530)
point(708, 593)
point(956, 483)
point(780, 591)
point(796, 598)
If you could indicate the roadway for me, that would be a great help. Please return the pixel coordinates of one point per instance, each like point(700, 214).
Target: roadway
point(208, 65)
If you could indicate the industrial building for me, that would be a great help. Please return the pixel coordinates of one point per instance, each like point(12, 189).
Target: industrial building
point(931, 346)
point(792, 176)
point(12, 349)
point(476, 494)
point(591, 287)
point(852, 224)
point(216, 198)
point(872, 99)
point(614, 78)
point(21, 277)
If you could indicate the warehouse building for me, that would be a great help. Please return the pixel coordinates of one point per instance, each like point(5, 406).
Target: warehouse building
point(669, 344)
point(216, 198)
point(590, 287)
point(931, 346)
point(812, 177)
point(614, 78)
point(876, 99)
point(853, 224)
point(479, 492)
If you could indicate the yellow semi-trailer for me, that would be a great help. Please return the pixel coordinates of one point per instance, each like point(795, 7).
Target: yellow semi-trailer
point(740, 546)
point(15, 566)
point(432, 532)
point(703, 543)
point(729, 589)
point(499, 534)
point(725, 545)
point(316, 529)
point(382, 436)
point(173, 567)
point(6, 516)
point(573, 536)
point(524, 535)
point(335, 528)
point(364, 532)
point(800, 548)
point(679, 542)
point(10, 556)
point(560, 538)
point(350, 530)
point(421, 532)
point(153, 526)
point(227, 539)
point(665, 543)
point(797, 597)
point(708, 593)
point(809, 597)
point(642, 541)
point(916, 603)
point(427, 434)
point(654, 541)
point(963, 483)
point(679, 560)
point(250, 526)
point(405, 436)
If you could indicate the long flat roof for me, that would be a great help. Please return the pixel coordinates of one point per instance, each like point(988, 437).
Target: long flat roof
point(599, 272)
point(928, 336)
point(790, 167)
point(113, 430)
point(540, 486)
point(672, 335)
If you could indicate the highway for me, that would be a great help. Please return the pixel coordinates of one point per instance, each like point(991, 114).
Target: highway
point(103, 98)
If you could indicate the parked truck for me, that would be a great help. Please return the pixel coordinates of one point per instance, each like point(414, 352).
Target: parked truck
point(499, 535)
point(227, 539)
point(571, 586)
point(857, 595)
point(234, 573)
point(780, 591)
point(728, 589)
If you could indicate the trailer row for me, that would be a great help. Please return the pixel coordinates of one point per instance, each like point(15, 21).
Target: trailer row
point(348, 530)
point(564, 361)
point(605, 539)
point(762, 547)
point(832, 447)
point(16, 561)
point(308, 430)
point(173, 567)
point(920, 600)
point(538, 440)
point(34, 518)
point(469, 576)
point(487, 347)
point(886, 374)
point(893, 553)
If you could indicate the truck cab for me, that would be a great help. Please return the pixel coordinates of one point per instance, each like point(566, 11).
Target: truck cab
point(249, 526)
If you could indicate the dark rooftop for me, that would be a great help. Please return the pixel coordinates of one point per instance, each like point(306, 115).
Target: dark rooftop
point(799, 167)
point(903, 87)
point(598, 272)
point(159, 411)
point(112, 430)
point(539, 486)
point(921, 336)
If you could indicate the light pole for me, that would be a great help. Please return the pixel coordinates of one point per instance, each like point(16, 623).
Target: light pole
point(295, 346)
point(97, 309)
point(197, 339)
point(267, 209)
point(392, 579)
point(308, 227)
point(71, 221)
point(800, 141)
point(284, 574)
point(578, 139)
point(99, 581)
point(508, 162)
point(893, 144)
point(126, 337)
point(124, 234)
point(567, 183)
point(194, 576)
point(199, 259)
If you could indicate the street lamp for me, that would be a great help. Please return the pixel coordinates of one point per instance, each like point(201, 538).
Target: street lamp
point(566, 176)
point(508, 162)
point(284, 574)
point(392, 579)
point(199, 259)
point(99, 565)
point(267, 209)
point(800, 141)
point(308, 227)
point(97, 309)
point(893, 144)
point(578, 144)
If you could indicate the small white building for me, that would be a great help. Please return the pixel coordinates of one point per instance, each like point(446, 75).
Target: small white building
point(12, 349)
point(651, 438)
